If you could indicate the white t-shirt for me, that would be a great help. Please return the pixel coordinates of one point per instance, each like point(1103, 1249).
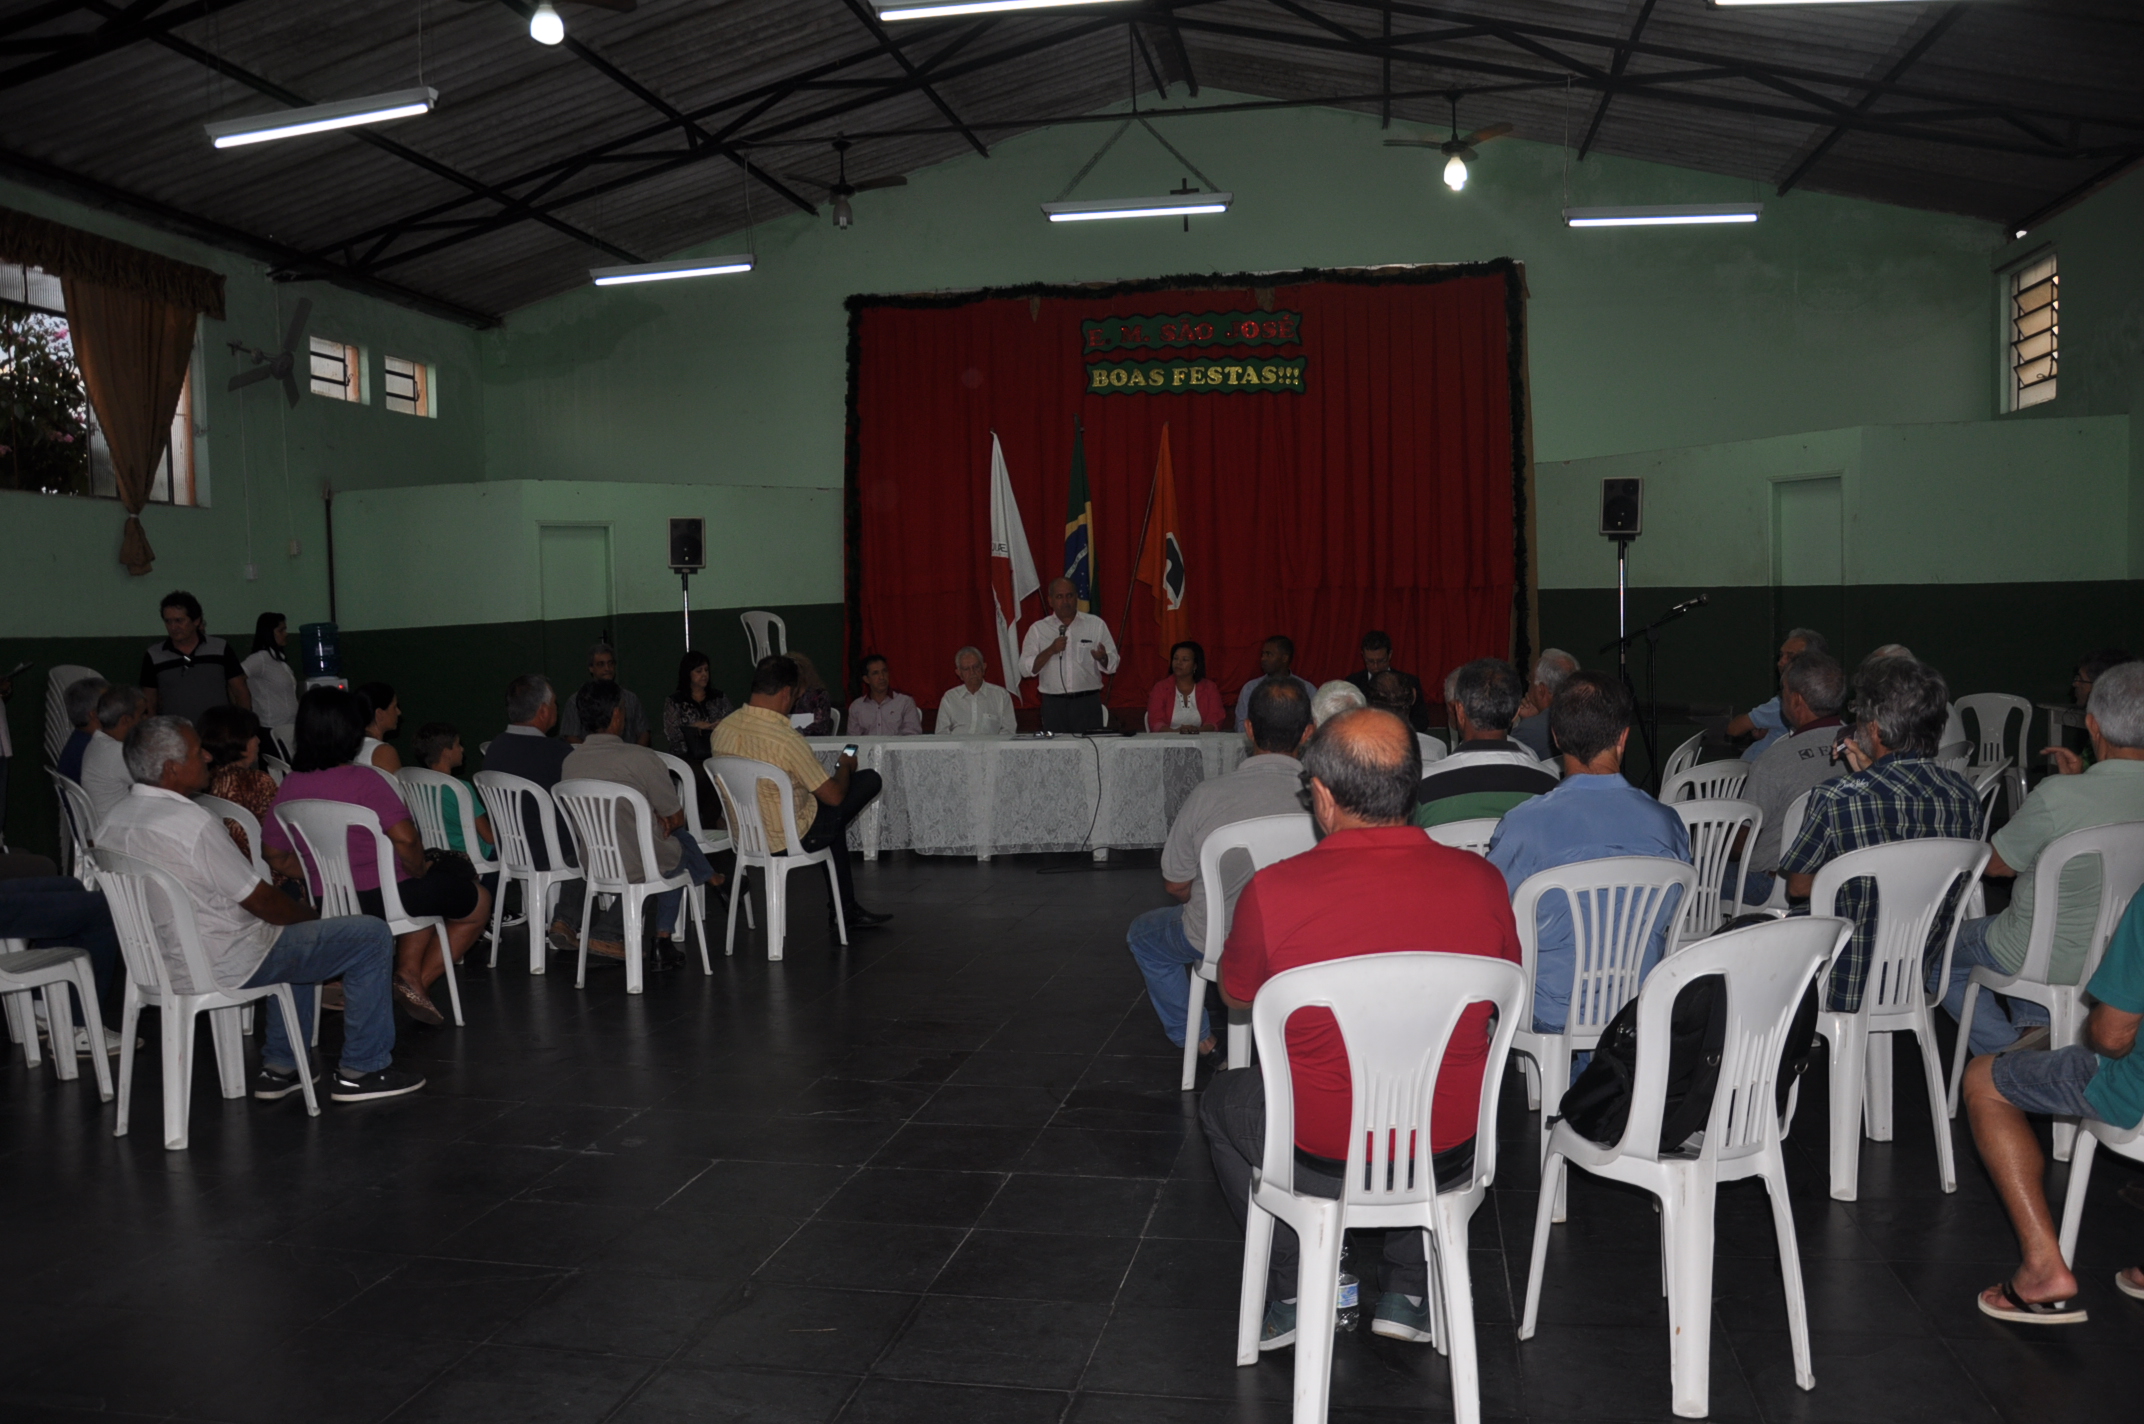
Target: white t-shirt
point(1187, 709)
point(186, 843)
point(274, 688)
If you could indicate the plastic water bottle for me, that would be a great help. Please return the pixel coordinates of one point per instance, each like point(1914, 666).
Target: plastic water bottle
point(1348, 1307)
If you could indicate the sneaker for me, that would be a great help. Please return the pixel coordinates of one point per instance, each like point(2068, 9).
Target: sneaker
point(1400, 1319)
point(273, 1084)
point(389, 1082)
point(1278, 1332)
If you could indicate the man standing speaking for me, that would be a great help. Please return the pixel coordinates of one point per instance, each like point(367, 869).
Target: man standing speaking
point(1067, 653)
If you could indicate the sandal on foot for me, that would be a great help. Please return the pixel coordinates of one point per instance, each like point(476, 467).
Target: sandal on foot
point(418, 1004)
point(2030, 1312)
point(2121, 1283)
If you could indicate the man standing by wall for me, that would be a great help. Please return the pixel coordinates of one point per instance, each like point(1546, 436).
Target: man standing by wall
point(190, 672)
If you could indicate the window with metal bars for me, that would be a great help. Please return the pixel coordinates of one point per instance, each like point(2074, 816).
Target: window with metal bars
point(2035, 331)
point(336, 370)
point(407, 386)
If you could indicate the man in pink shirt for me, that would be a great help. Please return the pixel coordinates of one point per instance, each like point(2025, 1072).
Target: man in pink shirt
point(882, 712)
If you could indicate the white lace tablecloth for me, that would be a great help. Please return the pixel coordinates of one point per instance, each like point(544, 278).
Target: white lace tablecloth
point(985, 796)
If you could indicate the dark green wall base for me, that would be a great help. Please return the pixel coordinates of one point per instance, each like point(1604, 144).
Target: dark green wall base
point(449, 674)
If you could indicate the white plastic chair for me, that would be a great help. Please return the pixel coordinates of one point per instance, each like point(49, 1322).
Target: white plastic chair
point(1708, 781)
point(322, 829)
point(2092, 1134)
point(1714, 827)
point(1790, 829)
point(1913, 878)
point(1433, 749)
point(275, 766)
point(420, 790)
point(282, 740)
point(1683, 757)
point(79, 819)
point(764, 633)
point(503, 796)
point(737, 782)
point(592, 809)
point(129, 885)
point(1955, 756)
point(1473, 834)
point(57, 728)
point(1988, 780)
point(224, 810)
point(46, 973)
point(1265, 839)
point(710, 842)
point(1397, 1014)
point(1767, 969)
point(2119, 848)
point(1615, 906)
point(1991, 722)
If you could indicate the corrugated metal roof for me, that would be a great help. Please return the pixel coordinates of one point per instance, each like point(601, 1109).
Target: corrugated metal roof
point(2048, 92)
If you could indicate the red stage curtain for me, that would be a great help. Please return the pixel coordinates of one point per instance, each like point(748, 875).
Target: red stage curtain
point(1383, 496)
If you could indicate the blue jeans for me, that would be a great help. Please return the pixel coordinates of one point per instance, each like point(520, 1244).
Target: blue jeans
point(1164, 955)
point(1997, 1020)
point(670, 902)
point(362, 952)
point(56, 910)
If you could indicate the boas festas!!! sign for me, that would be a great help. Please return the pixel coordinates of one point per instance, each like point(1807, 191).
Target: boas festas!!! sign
point(1194, 371)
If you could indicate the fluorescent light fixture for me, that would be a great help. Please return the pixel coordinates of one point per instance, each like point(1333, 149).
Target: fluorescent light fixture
point(1169, 205)
point(1664, 215)
point(545, 27)
point(320, 118)
point(670, 271)
point(941, 9)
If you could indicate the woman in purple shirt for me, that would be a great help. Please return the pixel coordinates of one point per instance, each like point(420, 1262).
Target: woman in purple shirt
point(330, 728)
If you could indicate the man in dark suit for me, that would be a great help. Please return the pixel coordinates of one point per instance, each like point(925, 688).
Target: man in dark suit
point(1377, 658)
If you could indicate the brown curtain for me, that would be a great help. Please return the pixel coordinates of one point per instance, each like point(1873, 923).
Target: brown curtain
point(133, 350)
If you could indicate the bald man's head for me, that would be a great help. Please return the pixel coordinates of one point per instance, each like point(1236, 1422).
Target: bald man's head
point(1063, 598)
point(1370, 763)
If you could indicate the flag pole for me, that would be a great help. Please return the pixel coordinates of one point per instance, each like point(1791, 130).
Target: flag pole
point(1124, 620)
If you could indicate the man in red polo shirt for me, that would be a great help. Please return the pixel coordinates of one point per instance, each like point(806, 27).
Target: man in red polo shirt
point(1375, 884)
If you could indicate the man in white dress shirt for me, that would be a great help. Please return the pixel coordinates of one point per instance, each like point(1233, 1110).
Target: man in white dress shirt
point(1067, 653)
point(975, 706)
point(104, 762)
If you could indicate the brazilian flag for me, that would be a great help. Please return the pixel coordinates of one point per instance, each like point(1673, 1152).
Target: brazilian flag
point(1079, 527)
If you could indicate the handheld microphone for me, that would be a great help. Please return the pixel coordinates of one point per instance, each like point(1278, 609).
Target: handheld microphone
point(1689, 603)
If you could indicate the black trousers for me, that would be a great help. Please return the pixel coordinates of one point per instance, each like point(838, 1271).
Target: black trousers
point(1233, 1113)
point(1072, 712)
point(830, 827)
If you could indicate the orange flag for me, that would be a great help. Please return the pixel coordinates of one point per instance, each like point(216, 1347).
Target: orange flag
point(1161, 558)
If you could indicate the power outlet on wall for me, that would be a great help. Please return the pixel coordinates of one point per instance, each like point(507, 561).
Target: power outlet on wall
point(294, 548)
point(253, 572)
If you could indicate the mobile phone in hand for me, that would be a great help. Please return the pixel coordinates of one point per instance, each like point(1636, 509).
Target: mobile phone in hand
point(849, 750)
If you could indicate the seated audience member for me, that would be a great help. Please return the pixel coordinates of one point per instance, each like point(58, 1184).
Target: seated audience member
point(1894, 792)
point(232, 738)
point(1768, 721)
point(2076, 798)
point(824, 805)
point(2089, 667)
point(48, 909)
point(1376, 657)
point(603, 667)
point(813, 700)
point(1812, 692)
point(528, 750)
point(383, 717)
point(1531, 728)
point(1373, 885)
point(880, 711)
point(1389, 692)
point(1485, 776)
point(80, 702)
point(1336, 697)
point(691, 711)
point(2101, 1078)
point(253, 933)
point(439, 748)
point(270, 683)
point(974, 706)
point(1593, 814)
point(1186, 700)
point(1167, 941)
point(104, 761)
point(1276, 659)
point(607, 756)
point(329, 730)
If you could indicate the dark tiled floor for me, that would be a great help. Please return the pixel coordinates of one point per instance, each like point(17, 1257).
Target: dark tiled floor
point(945, 1176)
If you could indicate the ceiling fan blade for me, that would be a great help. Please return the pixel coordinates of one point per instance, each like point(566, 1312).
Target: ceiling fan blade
point(1414, 143)
point(246, 378)
point(296, 333)
point(621, 6)
point(290, 386)
point(1484, 135)
point(805, 178)
point(871, 183)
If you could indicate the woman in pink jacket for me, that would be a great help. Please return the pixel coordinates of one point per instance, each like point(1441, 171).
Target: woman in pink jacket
point(1186, 700)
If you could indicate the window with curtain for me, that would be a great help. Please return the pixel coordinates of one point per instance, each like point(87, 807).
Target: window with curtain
point(50, 442)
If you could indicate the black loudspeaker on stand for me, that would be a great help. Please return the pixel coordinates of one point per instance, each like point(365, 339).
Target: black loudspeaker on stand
point(688, 555)
point(1623, 519)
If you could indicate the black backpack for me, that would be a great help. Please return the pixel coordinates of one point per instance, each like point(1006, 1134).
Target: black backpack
point(1598, 1103)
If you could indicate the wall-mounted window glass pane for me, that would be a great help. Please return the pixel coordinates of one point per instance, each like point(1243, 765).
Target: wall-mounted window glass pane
point(408, 386)
point(2035, 332)
point(335, 369)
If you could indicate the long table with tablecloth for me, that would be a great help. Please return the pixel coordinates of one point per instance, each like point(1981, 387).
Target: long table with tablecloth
point(985, 796)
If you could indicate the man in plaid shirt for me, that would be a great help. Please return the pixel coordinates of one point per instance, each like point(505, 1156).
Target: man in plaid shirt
point(1895, 793)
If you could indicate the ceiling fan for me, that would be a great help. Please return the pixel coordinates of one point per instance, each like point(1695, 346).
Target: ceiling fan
point(1457, 151)
point(841, 189)
point(281, 365)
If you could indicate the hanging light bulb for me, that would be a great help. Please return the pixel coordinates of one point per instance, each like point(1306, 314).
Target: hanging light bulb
point(1455, 173)
point(545, 27)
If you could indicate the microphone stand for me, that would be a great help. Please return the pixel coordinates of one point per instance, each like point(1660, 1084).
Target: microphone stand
point(1649, 716)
